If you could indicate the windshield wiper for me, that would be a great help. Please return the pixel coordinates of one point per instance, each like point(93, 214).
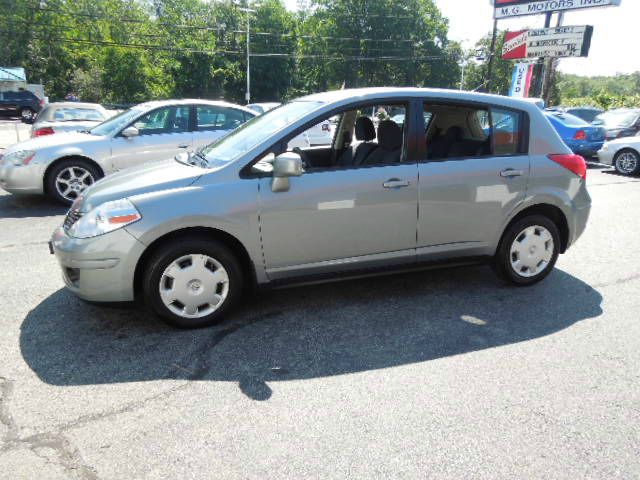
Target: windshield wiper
point(199, 154)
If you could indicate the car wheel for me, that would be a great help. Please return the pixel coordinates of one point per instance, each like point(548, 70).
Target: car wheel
point(68, 179)
point(27, 115)
point(627, 162)
point(528, 251)
point(192, 283)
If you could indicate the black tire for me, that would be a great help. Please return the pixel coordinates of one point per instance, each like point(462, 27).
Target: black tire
point(27, 115)
point(181, 247)
point(502, 260)
point(618, 166)
point(50, 180)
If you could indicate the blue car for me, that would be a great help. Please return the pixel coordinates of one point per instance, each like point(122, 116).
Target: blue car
point(581, 137)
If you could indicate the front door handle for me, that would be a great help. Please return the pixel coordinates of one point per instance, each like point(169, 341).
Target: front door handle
point(396, 183)
point(510, 172)
point(184, 145)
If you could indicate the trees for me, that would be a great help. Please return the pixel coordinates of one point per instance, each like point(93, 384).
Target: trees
point(125, 51)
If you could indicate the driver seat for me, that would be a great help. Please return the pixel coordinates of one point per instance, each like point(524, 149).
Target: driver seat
point(358, 152)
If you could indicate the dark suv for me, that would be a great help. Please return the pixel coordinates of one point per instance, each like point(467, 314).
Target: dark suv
point(23, 102)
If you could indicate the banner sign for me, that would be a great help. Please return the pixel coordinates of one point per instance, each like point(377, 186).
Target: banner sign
point(517, 8)
point(548, 42)
point(521, 80)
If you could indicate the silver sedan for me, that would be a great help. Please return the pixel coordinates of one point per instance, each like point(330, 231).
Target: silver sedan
point(61, 117)
point(64, 165)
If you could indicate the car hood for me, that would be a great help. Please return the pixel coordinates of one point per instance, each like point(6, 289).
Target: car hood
point(149, 177)
point(53, 141)
point(625, 141)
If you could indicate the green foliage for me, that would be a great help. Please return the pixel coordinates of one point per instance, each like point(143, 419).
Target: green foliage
point(126, 51)
point(604, 92)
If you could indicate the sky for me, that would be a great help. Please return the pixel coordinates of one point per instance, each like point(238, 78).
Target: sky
point(613, 48)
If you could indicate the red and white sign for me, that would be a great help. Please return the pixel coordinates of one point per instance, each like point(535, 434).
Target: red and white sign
point(515, 45)
point(517, 8)
point(569, 41)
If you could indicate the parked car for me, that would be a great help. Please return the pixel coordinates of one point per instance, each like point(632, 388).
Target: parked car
point(263, 107)
point(23, 103)
point(588, 114)
point(623, 153)
point(188, 234)
point(581, 137)
point(68, 117)
point(622, 122)
point(63, 165)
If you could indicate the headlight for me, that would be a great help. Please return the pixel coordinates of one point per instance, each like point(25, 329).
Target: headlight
point(605, 147)
point(105, 218)
point(22, 157)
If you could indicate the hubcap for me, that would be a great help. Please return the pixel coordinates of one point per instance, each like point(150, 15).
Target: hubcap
point(72, 181)
point(531, 251)
point(627, 162)
point(194, 286)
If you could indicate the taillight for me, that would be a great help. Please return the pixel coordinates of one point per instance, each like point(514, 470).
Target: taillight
point(41, 102)
point(39, 132)
point(574, 163)
point(580, 135)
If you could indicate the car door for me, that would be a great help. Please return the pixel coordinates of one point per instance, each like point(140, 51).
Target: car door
point(340, 219)
point(214, 121)
point(468, 190)
point(162, 133)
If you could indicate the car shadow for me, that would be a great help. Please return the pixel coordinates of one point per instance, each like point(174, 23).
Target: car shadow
point(23, 206)
point(305, 332)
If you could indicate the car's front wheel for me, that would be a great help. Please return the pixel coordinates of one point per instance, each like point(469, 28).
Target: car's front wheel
point(627, 162)
point(69, 178)
point(192, 283)
point(528, 250)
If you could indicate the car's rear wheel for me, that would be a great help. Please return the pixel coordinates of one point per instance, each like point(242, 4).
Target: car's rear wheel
point(68, 179)
point(192, 283)
point(27, 115)
point(528, 250)
point(627, 162)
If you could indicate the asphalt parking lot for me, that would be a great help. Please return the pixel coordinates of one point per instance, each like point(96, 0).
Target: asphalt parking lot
point(441, 374)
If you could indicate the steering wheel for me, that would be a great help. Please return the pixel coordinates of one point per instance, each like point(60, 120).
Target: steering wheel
point(303, 156)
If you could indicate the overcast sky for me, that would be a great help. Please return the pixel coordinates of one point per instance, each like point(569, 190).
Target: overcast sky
point(614, 47)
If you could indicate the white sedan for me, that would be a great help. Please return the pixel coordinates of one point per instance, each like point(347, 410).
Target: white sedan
point(65, 164)
point(68, 117)
point(623, 154)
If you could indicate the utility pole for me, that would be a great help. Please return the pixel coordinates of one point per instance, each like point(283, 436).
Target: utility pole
point(539, 68)
point(247, 95)
point(492, 53)
point(550, 70)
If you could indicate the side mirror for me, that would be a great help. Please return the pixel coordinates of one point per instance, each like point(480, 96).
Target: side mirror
point(285, 165)
point(130, 132)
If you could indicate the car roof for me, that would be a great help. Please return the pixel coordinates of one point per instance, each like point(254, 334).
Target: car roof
point(191, 101)
point(96, 106)
point(374, 93)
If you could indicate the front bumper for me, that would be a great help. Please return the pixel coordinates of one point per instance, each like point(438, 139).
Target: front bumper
point(99, 269)
point(21, 179)
point(606, 156)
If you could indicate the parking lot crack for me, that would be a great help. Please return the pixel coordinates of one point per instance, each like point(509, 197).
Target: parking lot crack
point(53, 447)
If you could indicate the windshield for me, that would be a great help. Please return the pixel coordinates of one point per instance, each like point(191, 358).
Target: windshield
point(618, 119)
point(69, 114)
point(254, 132)
point(116, 123)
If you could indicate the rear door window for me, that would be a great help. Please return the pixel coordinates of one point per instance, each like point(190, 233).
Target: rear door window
point(210, 117)
point(507, 132)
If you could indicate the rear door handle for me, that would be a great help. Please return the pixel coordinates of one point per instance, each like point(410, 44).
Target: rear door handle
point(510, 172)
point(396, 183)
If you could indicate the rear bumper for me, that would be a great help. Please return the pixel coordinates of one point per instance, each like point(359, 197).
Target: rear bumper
point(586, 149)
point(99, 269)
